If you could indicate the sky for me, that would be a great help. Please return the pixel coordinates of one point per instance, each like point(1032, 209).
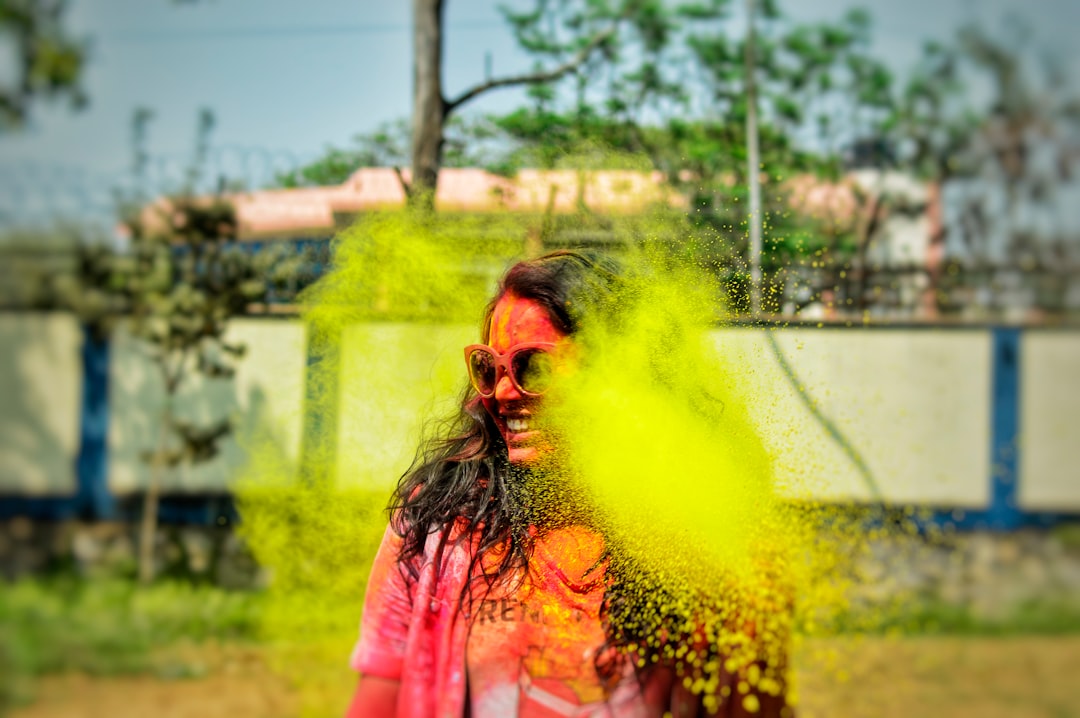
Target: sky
point(285, 78)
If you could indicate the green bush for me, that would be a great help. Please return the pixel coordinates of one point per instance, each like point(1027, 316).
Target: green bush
point(109, 626)
point(1048, 616)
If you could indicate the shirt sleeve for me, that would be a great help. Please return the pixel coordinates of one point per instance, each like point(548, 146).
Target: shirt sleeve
point(384, 624)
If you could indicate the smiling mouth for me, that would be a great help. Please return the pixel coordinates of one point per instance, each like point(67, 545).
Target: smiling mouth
point(518, 425)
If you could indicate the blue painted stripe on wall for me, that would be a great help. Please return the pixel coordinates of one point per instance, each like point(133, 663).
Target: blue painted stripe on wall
point(202, 509)
point(92, 463)
point(92, 499)
point(1003, 512)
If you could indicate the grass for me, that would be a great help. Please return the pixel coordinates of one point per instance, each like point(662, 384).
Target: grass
point(1050, 616)
point(109, 627)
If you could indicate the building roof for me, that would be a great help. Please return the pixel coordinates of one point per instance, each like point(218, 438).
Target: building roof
point(319, 210)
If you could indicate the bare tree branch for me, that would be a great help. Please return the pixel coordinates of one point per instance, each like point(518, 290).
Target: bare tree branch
point(405, 186)
point(536, 77)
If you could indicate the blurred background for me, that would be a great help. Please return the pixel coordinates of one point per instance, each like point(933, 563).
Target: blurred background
point(892, 186)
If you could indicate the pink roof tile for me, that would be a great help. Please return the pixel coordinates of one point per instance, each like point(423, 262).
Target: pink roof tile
point(319, 210)
point(832, 202)
point(306, 210)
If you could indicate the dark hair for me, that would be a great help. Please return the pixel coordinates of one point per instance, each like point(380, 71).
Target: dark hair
point(465, 476)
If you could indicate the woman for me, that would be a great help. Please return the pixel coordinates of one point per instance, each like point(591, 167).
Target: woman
point(493, 593)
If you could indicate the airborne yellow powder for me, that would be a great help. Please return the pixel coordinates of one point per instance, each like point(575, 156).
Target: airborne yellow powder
point(656, 432)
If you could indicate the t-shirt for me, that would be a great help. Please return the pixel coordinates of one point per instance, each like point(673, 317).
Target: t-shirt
point(412, 629)
point(415, 631)
point(534, 637)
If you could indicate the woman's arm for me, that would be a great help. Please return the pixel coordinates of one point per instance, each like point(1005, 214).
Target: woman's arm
point(374, 696)
point(380, 652)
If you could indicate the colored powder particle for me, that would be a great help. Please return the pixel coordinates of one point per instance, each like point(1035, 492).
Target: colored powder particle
point(716, 573)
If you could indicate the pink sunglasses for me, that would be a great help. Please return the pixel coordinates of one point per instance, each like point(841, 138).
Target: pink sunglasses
point(529, 367)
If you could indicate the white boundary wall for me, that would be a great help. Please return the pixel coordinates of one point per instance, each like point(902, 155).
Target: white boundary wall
point(1050, 421)
point(395, 379)
point(265, 401)
point(914, 404)
point(40, 403)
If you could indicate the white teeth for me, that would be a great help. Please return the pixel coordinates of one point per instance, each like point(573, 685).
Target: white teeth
point(517, 425)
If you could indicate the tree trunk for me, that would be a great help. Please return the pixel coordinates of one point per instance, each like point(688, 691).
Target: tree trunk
point(148, 527)
point(429, 106)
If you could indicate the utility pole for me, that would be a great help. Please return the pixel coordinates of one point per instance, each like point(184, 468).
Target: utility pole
point(753, 162)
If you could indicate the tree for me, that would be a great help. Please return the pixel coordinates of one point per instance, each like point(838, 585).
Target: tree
point(585, 29)
point(593, 25)
point(640, 72)
point(184, 278)
point(464, 145)
point(765, 90)
point(49, 61)
point(802, 77)
point(1005, 175)
point(176, 287)
point(670, 83)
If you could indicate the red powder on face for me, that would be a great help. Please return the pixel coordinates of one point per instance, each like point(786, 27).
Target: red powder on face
point(517, 320)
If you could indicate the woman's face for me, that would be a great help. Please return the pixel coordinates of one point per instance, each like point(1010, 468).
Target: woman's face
point(518, 321)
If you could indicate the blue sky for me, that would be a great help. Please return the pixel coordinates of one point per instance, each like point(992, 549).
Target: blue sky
point(286, 78)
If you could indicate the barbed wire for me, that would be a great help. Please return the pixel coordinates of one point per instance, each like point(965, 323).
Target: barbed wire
point(230, 33)
point(36, 194)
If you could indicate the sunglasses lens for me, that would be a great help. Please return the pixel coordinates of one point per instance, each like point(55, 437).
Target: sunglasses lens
point(532, 370)
point(482, 371)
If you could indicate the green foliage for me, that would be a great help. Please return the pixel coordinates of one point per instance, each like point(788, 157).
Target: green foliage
point(332, 168)
point(669, 83)
point(181, 286)
point(388, 145)
point(36, 263)
point(681, 66)
point(931, 115)
point(711, 10)
point(412, 266)
point(806, 74)
point(109, 626)
point(1045, 616)
point(629, 73)
point(319, 543)
point(49, 61)
point(539, 138)
point(703, 159)
point(466, 144)
point(181, 279)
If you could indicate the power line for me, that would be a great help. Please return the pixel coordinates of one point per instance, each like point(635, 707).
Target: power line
point(41, 193)
point(277, 32)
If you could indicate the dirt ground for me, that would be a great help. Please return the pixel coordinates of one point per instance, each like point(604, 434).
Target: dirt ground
point(927, 677)
point(208, 682)
point(922, 677)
